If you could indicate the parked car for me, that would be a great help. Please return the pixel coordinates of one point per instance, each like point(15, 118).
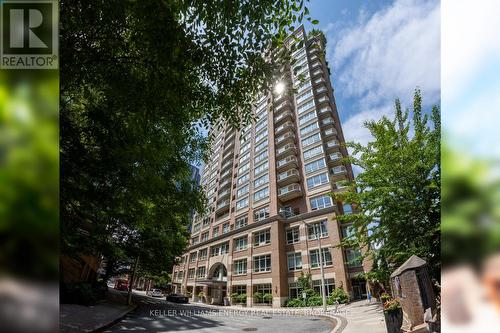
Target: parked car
point(121, 285)
point(176, 298)
point(156, 293)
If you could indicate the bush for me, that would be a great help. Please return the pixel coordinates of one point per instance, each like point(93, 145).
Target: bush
point(201, 294)
point(268, 298)
point(242, 298)
point(315, 300)
point(79, 293)
point(391, 306)
point(385, 297)
point(338, 295)
point(258, 297)
point(294, 303)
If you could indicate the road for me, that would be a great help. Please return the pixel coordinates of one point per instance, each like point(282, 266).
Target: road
point(158, 315)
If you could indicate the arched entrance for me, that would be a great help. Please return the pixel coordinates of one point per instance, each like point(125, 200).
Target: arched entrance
point(218, 286)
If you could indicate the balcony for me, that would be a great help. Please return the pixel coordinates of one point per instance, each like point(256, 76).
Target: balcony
point(229, 144)
point(226, 165)
point(340, 186)
point(317, 72)
point(316, 65)
point(286, 150)
point(224, 194)
point(227, 157)
point(319, 80)
point(323, 99)
point(286, 163)
point(225, 184)
point(222, 206)
point(289, 192)
point(320, 90)
point(230, 135)
point(288, 137)
point(335, 157)
point(288, 115)
point(330, 132)
point(327, 121)
point(285, 126)
point(287, 177)
point(283, 106)
point(325, 111)
point(332, 144)
point(338, 170)
point(225, 174)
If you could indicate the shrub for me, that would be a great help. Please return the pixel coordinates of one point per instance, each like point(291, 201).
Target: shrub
point(338, 295)
point(258, 297)
point(315, 300)
point(242, 298)
point(78, 293)
point(385, 297)
point(391, 306)
point(294, 303)
point(268, 298)
point(201, 294)
point(235, 297)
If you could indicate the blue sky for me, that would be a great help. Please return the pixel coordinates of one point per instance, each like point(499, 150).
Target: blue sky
point(378, 51)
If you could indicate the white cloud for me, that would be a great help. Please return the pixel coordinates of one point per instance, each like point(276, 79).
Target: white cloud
point(384, 56)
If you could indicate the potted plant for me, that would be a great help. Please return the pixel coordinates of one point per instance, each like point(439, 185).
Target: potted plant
point(201, 296)
point(235, 298)
point(267, 298)
point(384, 297)
point(393, 316)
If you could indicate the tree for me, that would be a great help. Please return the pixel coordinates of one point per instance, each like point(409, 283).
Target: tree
point(140, 78)
point(397, 193)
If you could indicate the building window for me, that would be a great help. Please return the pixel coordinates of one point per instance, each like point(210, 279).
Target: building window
point(321, 228)
point(261, 214)
point(241, 243)
point(243, 168)
point(224, 248)
point(353, 257)
point(309, 128)
point(308, 116)
point(225, 228)
point(261, 146)
point(191, 273)
point(262, 194)
point(261, 181)
point(261, 135)
point(192, 257)
point(294, 291)
point(241, 222)
point(262, 263)
point(239, 290)
point(215, 232)
point(217, 250)
point(348, 231)
point(347, 209)
point(262, 237)
point(243, 158)
point(262, 156)
point(317, 180)
point(329, 286)
point(242, 203)
point(243, 179)
point(201, 272)
point(315, 165)
point(311, 139)
point(314, 258)
point(181, 275)
point(240, 267)
point(262, 289)
point(321, 202)
point(260, 125)
point(242, 191)
point(292, 235)
point(305, 106)
point(261, 168)
point(244, 148)
point(313, 152)
point(304, 96)
point(294, 261)
point(202, 254)
point(204, 236)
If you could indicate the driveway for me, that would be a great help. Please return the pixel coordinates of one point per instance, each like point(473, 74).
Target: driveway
point(158, 315)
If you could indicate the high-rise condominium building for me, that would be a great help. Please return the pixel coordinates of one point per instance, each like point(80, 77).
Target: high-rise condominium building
point(270, 209)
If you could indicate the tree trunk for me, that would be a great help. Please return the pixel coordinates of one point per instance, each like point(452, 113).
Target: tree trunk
point(129, 296)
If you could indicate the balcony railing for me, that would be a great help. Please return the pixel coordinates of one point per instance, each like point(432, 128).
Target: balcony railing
point(286, 148)
point(287, 161)
point(333, 144)
point(323, 99)
point(330, 132)
point(287, 114)
point(224, 193)
point(288, 174)
point(338, 170)
point(285, 137)
point(320, 90)
point(335, 156)
point(293, 188)
point(317, 72)
point(327, 121)
point(283, 127)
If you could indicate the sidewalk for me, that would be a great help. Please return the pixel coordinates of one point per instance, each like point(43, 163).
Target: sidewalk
point(79, 318)
point(365, 317)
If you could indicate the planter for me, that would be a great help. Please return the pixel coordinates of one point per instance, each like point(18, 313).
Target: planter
point(393, 320)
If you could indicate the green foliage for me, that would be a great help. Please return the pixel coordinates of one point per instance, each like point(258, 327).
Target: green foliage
point(315, 300)
point(258, 296)
point(267, 297)
point(141, 80)
point(338, 295)
point(385, 297)
point(304, 281)
point(239, 298)
point(201, 294)
point(397, 192)
point(295, 303)
point(391, 305)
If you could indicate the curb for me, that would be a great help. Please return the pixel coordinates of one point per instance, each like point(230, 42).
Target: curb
point(113, 322)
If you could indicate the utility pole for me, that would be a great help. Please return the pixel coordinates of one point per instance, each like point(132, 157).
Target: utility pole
point(323, 294)
point(129, 296)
